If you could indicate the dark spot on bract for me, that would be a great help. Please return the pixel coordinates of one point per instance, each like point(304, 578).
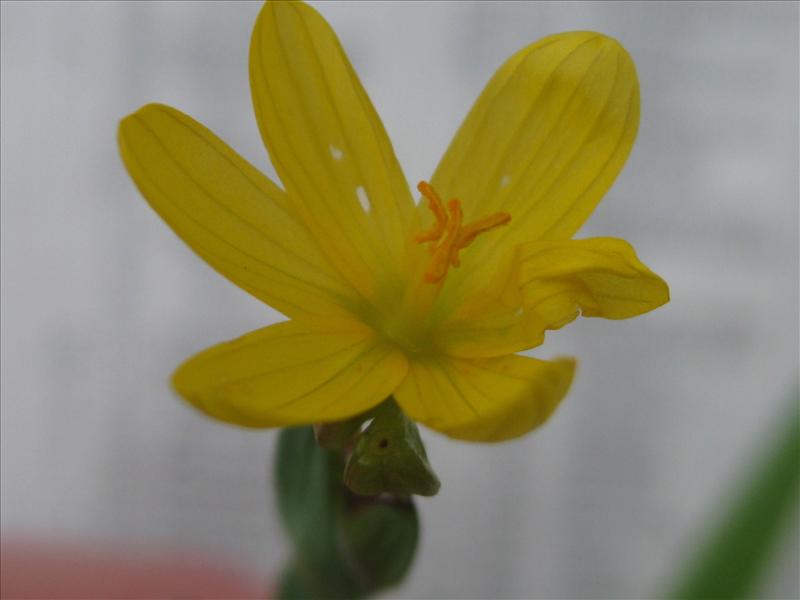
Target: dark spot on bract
point(383, 443)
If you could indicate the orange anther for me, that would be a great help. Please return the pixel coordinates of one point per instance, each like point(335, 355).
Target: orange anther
point(437, 208)
point(470, 232)
point(448, 235)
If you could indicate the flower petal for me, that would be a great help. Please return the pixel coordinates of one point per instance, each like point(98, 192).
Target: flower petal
point(484, 400)
point(487, 327)
point(544, 142)
point(596, 277)
point(230, 214)
point(327, 142)
point(289, 374)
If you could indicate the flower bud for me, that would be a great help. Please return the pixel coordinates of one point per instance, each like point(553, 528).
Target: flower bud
point(389, 457)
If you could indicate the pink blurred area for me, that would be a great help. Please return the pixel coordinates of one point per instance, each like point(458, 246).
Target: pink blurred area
point(38, 568)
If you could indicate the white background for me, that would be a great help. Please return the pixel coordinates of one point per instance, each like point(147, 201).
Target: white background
point(100, 301)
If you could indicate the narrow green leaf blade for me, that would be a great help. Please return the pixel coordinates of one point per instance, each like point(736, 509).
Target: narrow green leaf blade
point(310, 499)
point(730, 565)
point(307, 498)
point(292, 584)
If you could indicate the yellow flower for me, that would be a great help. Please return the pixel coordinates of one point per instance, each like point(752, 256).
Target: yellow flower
point(428, 302)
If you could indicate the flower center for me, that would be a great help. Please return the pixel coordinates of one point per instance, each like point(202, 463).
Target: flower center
point(448, 236)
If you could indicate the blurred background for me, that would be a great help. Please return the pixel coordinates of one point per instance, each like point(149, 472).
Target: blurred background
point(100, 301)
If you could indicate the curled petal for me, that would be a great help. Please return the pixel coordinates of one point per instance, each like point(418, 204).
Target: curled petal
point(596, 277)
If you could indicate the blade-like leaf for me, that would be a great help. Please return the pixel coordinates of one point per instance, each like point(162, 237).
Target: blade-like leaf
point(730, 564)
point(308, 483)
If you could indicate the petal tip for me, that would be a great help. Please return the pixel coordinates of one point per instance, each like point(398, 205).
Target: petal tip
point(665, 291)
point(143, 111)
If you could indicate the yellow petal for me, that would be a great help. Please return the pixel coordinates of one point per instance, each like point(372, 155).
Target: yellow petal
point(596, 277)
point(484, 400)
point(487, 327)
point(289, 374)
point(229, 213)
point(544, 142)
point(326, 141)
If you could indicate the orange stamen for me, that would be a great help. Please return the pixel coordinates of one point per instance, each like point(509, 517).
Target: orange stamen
point(437, 208)
point(469, 232)
point(442, 254)
point(449, 233)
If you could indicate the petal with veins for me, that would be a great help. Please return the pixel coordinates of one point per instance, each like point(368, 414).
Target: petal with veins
point(230, 214)
point(543, 142)
point(327, 143)
point(484, 400)
point(288, 374)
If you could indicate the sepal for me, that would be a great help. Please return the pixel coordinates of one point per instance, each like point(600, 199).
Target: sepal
point(389, 457)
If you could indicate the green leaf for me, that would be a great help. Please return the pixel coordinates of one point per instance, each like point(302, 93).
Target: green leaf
point(730, 564)
point(389, 457)
point(292, 585)
point(306, 492)
point(308, 483)
point(380, 539)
